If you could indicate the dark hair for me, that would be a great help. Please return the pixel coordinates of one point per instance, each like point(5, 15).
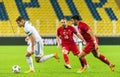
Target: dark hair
point(19, 18)
point(76, 17)
point(63, 18)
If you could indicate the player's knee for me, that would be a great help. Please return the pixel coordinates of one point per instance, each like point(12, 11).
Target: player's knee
point(65, 52)
point(37, 59)
point(28, 54)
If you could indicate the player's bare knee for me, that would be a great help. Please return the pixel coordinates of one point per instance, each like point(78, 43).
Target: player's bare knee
point(65, 52)
point(27, 54)
point(37, 59)
point(81, 55)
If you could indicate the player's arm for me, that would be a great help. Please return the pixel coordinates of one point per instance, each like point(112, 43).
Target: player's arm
point(29, 32)
point(93, 37)
point(80, 37)
point(26, 39)
point(58, 40)
point(32, 41)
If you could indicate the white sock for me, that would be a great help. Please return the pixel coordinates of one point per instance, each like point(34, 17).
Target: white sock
point(46, 57)
point(80, 46)
point(30, 62)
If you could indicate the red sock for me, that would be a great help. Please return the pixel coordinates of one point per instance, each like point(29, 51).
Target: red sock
point(83, 61)
point(103, 59)
point(66, 59)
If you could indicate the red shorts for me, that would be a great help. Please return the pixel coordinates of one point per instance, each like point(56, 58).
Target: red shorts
point(71, 47)
point(90, 46)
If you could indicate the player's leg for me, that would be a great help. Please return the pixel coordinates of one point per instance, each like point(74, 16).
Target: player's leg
point(79, 53)
point(39, 53)
point(46, 57)
point(87, 49)
point(103, 59)
point(30, 62)
point(66, 58)
point(82, 60)
point(80, 45)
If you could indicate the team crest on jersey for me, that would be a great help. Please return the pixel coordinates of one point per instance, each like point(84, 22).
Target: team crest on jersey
point(69, 30)
point(65, 35)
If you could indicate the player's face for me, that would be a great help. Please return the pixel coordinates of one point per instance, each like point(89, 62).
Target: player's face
point(64, 22)
point(20, 23)
point(74, 21)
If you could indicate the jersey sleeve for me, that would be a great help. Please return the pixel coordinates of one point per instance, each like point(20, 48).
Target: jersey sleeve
point(28, 31)
point(85, 27)
point(74, 30)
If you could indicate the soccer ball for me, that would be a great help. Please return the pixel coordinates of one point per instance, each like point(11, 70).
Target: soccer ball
point(16, 69)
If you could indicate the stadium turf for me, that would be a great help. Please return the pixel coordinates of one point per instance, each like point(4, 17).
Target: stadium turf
point(15, 55)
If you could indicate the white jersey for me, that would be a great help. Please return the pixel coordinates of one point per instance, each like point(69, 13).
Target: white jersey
point(30, 29)
point(38, 47)
point(76, 39)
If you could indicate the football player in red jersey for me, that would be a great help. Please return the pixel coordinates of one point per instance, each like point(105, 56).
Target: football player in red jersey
point(91, 41)
point(65, 34)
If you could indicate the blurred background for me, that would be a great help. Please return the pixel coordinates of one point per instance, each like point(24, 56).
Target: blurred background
point(103, 16)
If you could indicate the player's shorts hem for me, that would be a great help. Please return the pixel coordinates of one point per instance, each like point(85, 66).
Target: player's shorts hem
point(87, 52)
point(38, 55)
point(76, 53)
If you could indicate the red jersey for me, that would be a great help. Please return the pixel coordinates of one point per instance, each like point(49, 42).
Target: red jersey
point(66, 34)
point(83, 28)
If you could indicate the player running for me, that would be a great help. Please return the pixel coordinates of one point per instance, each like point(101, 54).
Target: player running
point(65, 33)
point(91, 42)
point(35, 44)
point(78, 41)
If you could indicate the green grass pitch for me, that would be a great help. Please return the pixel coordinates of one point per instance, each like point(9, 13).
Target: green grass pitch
point(15, 55)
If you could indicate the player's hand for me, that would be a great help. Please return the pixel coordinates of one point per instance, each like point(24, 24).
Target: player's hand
point(58, 45)
point(84, 43)
point(26, 39)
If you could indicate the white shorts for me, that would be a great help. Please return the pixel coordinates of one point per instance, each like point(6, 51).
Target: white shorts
point(38, 48)
point(77, 40)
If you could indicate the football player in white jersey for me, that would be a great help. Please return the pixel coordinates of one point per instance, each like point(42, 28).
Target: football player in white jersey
point(35, 44)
